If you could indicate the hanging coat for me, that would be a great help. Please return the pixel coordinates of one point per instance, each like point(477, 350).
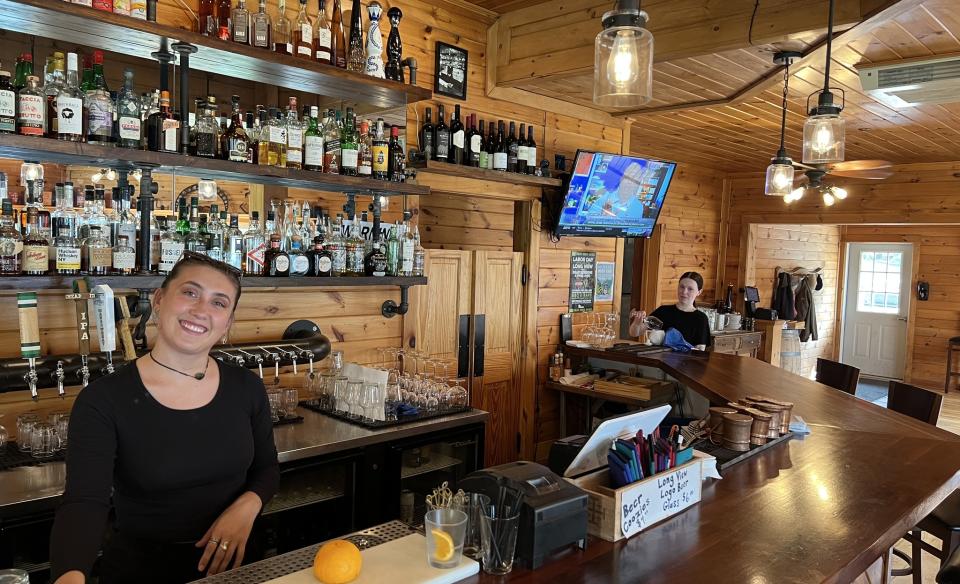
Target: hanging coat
point(783, 297)
point(806, 311)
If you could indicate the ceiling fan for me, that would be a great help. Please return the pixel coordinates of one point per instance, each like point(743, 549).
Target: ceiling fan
point(856, 169)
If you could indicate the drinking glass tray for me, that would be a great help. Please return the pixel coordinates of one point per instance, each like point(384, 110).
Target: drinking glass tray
point(11, 457)
point(727, 458)
point(379, 424)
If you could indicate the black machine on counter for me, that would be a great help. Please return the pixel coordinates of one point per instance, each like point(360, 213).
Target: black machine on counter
point(553, 514)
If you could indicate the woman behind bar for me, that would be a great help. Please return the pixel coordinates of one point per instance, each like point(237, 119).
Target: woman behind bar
point(683, 315)
point(183, 443)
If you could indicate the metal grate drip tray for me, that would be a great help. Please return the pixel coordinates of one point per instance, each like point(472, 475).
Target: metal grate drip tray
point(277, 566)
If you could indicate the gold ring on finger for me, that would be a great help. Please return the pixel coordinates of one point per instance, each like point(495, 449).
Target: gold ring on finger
point(224, 545)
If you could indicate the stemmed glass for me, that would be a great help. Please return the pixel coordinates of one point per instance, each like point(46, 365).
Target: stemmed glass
point(458, 396)
point(391, 401)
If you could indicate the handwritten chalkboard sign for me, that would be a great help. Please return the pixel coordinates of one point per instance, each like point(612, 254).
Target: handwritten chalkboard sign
point(658, 497)
point(582, 280)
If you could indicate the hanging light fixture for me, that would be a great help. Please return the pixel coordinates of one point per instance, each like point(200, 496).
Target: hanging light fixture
point(823, 132)
point(780, 172)
point(623, 58)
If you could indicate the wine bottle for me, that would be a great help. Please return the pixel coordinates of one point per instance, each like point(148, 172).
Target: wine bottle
point(427, 135)
point(531, 152)
point(522, 150)
point(457, 138)
point(482, 155)
point(441, 138)
point(511, 148)
point(491, 145)
point(500, 153)
point(338, 40)
point(475, 143)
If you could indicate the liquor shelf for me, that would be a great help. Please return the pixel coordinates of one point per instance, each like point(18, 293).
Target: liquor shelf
point(75, 153)
point(73, 23)
point(514, 178)
point(57, 282)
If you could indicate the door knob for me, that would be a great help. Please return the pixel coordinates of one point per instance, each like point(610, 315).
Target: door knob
point(903, 318)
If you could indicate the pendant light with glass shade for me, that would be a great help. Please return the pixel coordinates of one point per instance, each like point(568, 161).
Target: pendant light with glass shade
point(780, 172)
point(623, 58)
point(823, 132)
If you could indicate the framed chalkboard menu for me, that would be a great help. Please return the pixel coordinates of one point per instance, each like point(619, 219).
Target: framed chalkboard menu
point(582, 282)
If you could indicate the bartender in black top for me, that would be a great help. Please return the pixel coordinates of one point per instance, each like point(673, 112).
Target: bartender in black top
point(683, 315)
point(182, 443)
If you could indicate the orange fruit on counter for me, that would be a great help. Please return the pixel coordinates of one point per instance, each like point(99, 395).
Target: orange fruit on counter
point(337, 562)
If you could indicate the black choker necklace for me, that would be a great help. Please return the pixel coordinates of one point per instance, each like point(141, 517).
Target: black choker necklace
point(197, 376)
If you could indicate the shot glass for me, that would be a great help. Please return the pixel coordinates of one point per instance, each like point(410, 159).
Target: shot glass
point(445, 530)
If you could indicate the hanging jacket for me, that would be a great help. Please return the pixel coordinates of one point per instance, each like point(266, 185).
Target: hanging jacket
point(806, 311)
point(783, 297)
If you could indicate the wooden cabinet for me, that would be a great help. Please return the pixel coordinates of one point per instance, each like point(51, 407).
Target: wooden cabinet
point(737, 343)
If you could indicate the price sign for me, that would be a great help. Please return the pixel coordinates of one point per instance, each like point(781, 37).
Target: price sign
point(658, 498)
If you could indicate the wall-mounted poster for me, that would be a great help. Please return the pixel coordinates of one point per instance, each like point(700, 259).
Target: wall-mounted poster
point(582, 278)
point(451, 67)
point(605, 276)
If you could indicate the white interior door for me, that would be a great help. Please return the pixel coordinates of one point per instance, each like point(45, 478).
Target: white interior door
point(876, 306)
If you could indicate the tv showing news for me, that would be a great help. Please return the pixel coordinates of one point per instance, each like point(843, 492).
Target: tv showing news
point(613, 195)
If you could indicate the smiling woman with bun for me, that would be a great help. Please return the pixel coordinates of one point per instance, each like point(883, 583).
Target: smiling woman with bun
point(181, 444)
point(683, 315)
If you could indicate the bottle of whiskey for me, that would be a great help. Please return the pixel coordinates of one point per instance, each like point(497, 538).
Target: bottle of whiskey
point(294, 136)
point(97, 259)
point(313, 143)
point(331, 144)
point(163, 129)
point(375, 263)
point(224, 26)
point(398, 160)
point(277, 132)
point(322, 37)
point(66, 257)
point(276, 260)
point(338, 41)
point(320, 259)
point(282, 31)
point(338, 249)
point(262, 132)
point(208, 17)
point(240, 22)
point(124, 256)
point(303, 34)
point(236, 142)
point(261, 28)
point(35, 246)
point(364, 151)
point(380, 151)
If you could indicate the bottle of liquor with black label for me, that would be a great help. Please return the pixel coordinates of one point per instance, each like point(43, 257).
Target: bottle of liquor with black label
point(457, 138)
point(331, 144)
point(441, 139)
point(427, 135)
point(398, 160)
point(237, 142)
point(375, 262)
point(380, 153)
point(512, 147)
point(474, 143)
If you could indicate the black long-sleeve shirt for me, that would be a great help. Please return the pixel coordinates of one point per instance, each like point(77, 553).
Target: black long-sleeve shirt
point(170, 472)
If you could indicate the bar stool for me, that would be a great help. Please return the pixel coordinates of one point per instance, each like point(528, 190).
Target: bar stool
point(838, 375)
point(953, 345)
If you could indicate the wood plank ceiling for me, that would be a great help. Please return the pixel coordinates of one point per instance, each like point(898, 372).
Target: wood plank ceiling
point(744, 136)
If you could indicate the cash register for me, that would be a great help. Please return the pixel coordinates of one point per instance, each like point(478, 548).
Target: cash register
point(553, 514)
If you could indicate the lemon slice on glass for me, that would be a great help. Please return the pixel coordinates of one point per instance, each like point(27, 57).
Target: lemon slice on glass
point(443, 547)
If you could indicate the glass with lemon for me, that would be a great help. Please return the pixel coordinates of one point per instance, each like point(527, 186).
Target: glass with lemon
point(445, 530)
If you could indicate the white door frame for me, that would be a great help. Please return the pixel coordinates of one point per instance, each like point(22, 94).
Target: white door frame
point(906, 301)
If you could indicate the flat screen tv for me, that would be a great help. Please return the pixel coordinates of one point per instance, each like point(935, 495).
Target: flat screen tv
point(614, 195)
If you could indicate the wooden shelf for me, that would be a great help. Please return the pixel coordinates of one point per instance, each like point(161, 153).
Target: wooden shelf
point(154, 281)
point(61, 152)
point(72, 23)
point(485, 174)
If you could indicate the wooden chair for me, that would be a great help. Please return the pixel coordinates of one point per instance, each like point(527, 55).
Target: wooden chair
point(953, 346)
point(838, 375)
point(944, 522)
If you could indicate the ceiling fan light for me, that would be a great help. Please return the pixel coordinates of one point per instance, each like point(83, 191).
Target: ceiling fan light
point(828, 199)
point(623, 58)
point(824, 138)
point(840, 193)
point(794, 195)
point(779, 179)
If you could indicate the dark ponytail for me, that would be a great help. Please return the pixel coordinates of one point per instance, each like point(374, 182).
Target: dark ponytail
point(695, 276)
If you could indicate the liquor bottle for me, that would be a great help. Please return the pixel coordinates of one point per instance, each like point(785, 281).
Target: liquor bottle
point(32, 107)
point(373, 65)
point(338, 249)
point(427, 134)
point(331, 144)
point(208, 129)
point(233, 244)
point(250, 128)
point(216, 230)
point(208, 17)
point(276, 260)
point(398, 160)
point(484, 153)
point(277, 132)
point(52, 84)
point(98, 107)
point(522, 150)
point(500, 151)
point(419, 254)
point(105, 5)
point(66, 257)
point(511, 147)
point(263, 139)
point(83, 230)
point(355, 249)
point(531, 151)
point(171, 246)
point(299, 260)
point(24, 69)
point(183, 223)
point(322, 36)
point(236, 142)
point(97, 258)
point(129, 123)
point(478, 150)
point(163, 129)
point(282, 31)
point(320, 259)
point(124, 256)
point(338, 41)
point(380, 152)
point(35, 246)
point(303, 34)
point(127, 221)
point(294, 135)
point(261, 28)
point(457, 153)
point(150, 105)
point(365, 151)
point(349, 146)
point(407, 247)
point(254, 246)
point(240, 23)
point(63, 216)
point(375, 262)
point(393, 250)
point(355, 55)
point(492, 146)
point(194, 241)
point(392, 70)
point(441, 140)
point(98, 216)
point(8, 105)
point(224, 27)
point(86, 75)
point(11, 244)
point(313, 143)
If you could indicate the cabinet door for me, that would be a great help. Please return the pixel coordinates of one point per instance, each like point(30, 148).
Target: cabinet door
point(495, 334)
point(446, 298)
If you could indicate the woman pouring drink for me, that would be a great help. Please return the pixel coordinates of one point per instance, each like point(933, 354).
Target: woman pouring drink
point(682, 316)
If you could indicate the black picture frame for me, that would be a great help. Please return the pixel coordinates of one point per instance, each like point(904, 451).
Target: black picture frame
point(451, 71)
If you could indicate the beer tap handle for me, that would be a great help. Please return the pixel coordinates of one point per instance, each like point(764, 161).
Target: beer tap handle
point(31, 378)
point(109, 366)
point(29, 337)
point(59, 374)
point(84, 371)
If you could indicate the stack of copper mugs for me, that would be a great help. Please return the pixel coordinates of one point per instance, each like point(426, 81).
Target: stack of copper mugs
point(751, 421)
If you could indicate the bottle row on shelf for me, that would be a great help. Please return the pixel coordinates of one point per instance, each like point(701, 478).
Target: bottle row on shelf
point(65, 109)
point(294, 240)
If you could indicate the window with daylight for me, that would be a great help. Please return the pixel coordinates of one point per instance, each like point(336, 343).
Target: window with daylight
point(879, 283)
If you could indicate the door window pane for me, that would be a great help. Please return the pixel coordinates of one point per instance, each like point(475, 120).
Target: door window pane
point(878, 288)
